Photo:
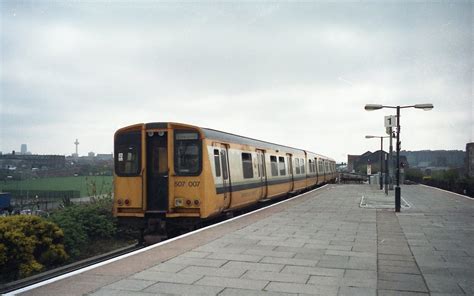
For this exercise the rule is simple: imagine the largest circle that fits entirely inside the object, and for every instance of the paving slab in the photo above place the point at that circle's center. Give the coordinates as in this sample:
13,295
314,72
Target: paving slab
322,243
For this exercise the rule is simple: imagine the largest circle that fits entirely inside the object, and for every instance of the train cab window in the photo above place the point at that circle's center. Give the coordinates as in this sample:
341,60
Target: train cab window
281,165
127,148
302,166
187,153
247,165
297,165
217,162
274,165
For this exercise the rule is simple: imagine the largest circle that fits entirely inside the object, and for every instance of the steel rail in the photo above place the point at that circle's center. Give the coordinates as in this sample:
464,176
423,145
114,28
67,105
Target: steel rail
12,286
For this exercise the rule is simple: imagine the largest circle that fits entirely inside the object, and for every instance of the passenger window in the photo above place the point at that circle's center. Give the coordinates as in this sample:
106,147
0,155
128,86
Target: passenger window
259,164
274,165
297,165
310,166
302,166
217,163
288,165
225,171
247,165
281,165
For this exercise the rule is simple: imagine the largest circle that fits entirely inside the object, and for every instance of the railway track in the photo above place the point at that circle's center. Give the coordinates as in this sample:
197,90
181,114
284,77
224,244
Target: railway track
53,273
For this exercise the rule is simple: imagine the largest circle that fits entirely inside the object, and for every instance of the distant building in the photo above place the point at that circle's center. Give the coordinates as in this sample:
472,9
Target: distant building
350,162
91,154
359,163
23,149
442,159
28,162
104,156
470,159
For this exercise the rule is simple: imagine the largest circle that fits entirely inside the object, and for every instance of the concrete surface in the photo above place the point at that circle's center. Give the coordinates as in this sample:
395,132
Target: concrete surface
323,243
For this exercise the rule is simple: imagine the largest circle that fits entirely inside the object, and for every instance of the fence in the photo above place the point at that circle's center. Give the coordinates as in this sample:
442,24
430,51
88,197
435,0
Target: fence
41,199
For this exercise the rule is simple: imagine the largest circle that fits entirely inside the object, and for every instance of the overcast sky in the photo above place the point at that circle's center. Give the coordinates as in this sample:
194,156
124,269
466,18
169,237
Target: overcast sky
297,74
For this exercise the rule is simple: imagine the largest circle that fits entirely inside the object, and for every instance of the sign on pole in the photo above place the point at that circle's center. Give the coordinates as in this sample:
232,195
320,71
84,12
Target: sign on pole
391,121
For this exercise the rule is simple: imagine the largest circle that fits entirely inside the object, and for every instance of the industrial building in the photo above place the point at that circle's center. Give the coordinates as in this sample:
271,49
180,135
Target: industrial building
27,162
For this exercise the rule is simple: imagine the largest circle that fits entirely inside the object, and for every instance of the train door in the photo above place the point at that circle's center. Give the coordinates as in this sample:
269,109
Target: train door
226,183
262,173
289,160
157,171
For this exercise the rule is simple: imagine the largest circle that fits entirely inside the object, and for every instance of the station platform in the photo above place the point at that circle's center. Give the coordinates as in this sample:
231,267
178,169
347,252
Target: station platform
336,240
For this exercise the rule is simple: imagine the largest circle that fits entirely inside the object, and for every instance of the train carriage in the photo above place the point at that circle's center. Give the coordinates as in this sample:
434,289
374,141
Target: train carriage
173,173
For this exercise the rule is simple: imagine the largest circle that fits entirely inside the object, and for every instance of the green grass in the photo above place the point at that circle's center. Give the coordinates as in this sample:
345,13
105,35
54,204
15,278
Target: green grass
82,184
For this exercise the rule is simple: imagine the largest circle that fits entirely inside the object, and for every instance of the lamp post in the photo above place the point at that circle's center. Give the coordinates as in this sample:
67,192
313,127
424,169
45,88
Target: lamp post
372,107
381,157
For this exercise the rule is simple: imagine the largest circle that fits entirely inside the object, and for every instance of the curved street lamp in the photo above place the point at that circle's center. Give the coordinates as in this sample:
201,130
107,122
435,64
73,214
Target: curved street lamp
372,107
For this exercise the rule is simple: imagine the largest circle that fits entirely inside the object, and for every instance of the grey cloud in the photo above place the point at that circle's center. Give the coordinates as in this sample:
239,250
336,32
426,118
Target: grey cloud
232,66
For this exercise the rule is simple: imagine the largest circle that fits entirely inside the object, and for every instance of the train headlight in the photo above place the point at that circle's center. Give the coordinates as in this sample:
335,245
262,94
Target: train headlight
196,202
127,202
188,202
178,202
120,202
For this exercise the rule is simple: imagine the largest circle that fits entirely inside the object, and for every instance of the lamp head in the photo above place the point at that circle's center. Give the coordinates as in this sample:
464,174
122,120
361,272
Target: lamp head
372,107
425,107
369,137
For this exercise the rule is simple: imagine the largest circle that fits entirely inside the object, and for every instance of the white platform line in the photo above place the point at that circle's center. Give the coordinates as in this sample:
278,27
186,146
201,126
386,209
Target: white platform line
76,272
406,202
362,204
454,193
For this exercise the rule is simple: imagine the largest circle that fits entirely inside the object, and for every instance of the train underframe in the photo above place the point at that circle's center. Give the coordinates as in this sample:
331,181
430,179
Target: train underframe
155,227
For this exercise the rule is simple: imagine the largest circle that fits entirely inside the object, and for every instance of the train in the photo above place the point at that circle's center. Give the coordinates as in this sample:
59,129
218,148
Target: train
174,174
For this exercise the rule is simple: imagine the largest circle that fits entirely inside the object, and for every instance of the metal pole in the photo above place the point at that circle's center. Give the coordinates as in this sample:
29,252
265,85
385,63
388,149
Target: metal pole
397,189
390,160
386,174
381,162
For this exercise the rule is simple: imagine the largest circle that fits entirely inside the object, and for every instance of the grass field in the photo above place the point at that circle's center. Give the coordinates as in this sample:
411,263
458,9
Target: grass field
103,184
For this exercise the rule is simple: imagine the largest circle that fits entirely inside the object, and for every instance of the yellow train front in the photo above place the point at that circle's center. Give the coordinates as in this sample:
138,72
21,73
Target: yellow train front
172,174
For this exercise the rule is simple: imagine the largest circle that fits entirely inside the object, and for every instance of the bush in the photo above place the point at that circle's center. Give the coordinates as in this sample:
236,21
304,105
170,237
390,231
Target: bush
415,175
85,223
453,181
28,244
